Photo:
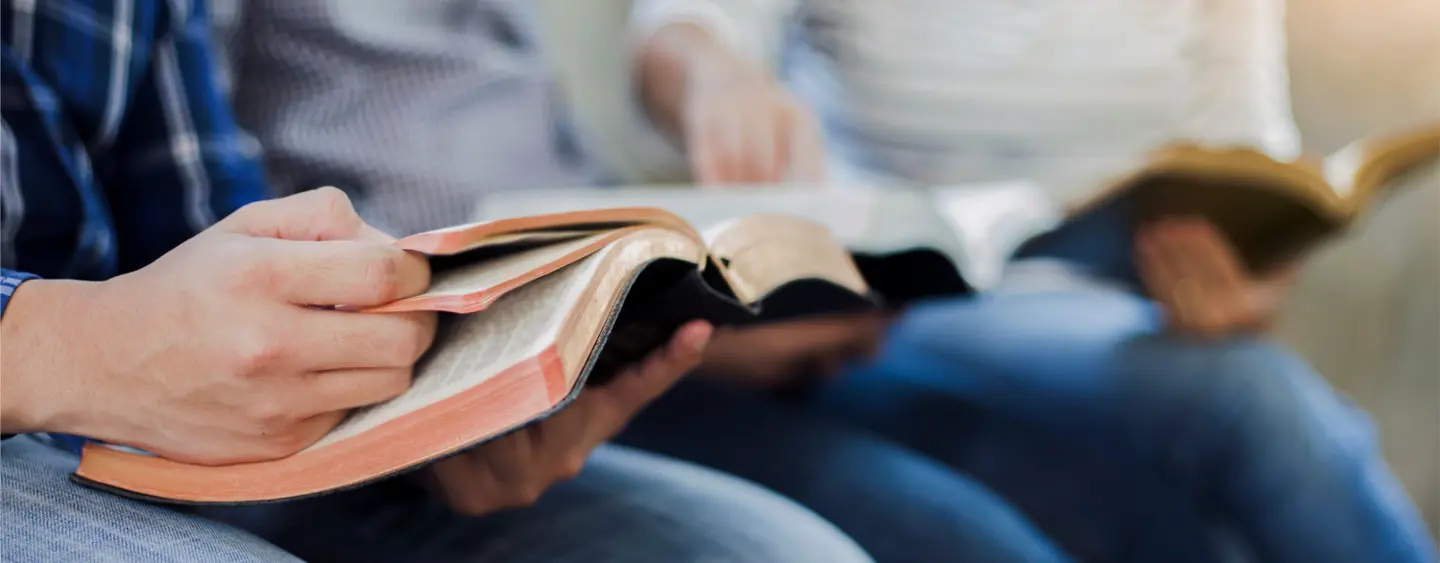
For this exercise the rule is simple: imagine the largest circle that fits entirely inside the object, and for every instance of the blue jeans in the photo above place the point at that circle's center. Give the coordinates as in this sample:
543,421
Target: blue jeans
1241,434
1117,443
898,504
625,506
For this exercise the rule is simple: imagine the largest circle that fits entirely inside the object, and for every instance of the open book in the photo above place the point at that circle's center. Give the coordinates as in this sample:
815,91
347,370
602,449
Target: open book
537,305
1269,209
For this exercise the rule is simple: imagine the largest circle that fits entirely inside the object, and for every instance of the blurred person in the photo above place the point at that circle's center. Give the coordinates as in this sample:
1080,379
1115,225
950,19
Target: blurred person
177,313
1114,420
418,110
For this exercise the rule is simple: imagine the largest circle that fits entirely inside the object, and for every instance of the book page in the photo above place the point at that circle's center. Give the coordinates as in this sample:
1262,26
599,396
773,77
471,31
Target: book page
846,211
1372,162
476,347
865,219
534,237
992,221
975,225
755,265
488,273
1341,167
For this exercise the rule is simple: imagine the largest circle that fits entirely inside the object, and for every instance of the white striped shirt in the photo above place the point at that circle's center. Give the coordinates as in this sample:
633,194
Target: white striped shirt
1060,91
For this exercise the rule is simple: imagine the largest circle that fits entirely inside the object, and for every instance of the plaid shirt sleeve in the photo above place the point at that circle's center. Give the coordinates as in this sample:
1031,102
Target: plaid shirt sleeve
180,161
116,131
118,100
122,96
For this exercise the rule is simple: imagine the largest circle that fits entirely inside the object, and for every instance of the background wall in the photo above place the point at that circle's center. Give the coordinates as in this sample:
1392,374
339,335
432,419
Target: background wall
1367,311
1358,66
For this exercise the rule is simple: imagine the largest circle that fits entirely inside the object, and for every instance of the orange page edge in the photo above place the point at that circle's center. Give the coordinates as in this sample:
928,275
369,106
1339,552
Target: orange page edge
479,300
454,240
511,398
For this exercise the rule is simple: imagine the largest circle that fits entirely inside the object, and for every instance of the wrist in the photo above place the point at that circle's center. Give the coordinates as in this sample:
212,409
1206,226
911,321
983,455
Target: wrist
43,365
710,64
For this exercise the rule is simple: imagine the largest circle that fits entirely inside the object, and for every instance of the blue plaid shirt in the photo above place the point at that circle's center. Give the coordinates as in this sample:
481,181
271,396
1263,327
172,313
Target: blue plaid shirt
117,143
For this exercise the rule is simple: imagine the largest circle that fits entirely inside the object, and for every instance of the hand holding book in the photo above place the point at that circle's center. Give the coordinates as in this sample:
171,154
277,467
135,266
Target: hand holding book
512,471
793,353
505,394
1198,279
224,350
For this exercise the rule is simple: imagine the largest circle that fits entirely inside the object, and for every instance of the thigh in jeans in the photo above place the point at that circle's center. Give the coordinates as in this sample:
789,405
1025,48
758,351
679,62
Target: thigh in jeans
1046,357
626,505
1241,429
1095,503
48,518
896,503
1251,427
1009,388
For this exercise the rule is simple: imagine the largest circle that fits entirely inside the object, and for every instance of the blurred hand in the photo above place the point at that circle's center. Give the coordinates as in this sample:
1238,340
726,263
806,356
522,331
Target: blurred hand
225,349
1197,277
740,125
780,354
514,470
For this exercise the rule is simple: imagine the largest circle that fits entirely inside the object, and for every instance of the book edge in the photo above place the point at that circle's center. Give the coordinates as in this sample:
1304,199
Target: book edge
86,472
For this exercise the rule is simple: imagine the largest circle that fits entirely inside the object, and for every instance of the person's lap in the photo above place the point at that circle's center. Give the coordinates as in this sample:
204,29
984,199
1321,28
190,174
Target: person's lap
895,502
902,504
1075,484
48,518
626,505
1120,444
871,466
1107,433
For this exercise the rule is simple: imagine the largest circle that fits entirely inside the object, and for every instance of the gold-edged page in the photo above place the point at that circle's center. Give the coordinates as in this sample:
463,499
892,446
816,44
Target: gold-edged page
760,253
619,263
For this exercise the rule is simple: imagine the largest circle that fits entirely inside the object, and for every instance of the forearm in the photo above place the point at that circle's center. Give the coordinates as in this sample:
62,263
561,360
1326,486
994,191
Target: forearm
682,43
43,340
677,57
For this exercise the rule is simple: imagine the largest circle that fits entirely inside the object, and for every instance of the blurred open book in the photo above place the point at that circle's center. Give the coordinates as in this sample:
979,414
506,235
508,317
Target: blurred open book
1270,210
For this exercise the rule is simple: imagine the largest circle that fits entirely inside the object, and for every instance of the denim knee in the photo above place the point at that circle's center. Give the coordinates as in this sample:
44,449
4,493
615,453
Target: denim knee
1244,405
